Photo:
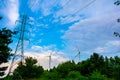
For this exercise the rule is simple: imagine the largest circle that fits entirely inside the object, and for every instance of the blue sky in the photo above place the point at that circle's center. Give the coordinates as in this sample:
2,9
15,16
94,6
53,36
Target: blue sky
63,26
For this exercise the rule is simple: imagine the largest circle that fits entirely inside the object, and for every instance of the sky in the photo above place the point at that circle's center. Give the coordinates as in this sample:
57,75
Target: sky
64,27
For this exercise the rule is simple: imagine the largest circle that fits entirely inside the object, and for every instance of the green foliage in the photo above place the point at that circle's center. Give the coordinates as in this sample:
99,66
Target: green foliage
28,69
95,62
75,75
108,68
117,2
117,34
30,61
116,72
8,78
83,68
97,76
64,68
5,40
47,75
5,50
94,68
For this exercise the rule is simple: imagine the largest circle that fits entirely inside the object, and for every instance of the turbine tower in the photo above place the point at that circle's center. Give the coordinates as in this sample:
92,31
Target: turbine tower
78,54
49,60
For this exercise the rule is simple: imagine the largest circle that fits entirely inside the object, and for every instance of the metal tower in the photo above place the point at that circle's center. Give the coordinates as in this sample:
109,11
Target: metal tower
20,44
78,54
49,60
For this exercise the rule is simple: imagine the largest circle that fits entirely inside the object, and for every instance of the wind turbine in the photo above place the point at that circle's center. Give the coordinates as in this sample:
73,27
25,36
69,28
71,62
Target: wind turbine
78,54
49,60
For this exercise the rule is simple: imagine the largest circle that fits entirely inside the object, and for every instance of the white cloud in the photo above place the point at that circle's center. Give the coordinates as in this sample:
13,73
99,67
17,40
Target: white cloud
93,33
110,49
37,48
42,6
41,53
41,56
43,59
100,50
71,10
114,43
9,65
80,8
11,11
69,19
71,7
34,5
31,18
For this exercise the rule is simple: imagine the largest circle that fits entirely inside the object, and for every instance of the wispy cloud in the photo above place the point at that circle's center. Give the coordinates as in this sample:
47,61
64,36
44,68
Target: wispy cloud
43,59
109,48
34,5
86,8
91,33
41,53
11,11
45,7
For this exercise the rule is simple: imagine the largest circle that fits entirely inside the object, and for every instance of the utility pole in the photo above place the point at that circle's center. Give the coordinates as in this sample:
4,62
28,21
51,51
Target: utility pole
20,43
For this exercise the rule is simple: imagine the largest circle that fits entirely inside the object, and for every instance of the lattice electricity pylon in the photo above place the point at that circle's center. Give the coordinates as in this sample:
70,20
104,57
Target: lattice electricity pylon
20,44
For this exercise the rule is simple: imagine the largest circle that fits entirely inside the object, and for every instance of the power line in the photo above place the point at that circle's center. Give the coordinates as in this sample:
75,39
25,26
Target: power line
20,44
63,6
67,2
80,9
54,13
35,2
85,6
25,6
75,12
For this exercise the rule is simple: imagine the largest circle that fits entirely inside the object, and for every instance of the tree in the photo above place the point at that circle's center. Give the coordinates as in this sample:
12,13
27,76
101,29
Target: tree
116,72
97,76
94,63
116,67
48,75
84,67
75,75
97,61
64,68
117,2
108,68
116,34
28,69
94,68
5,50
118,20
